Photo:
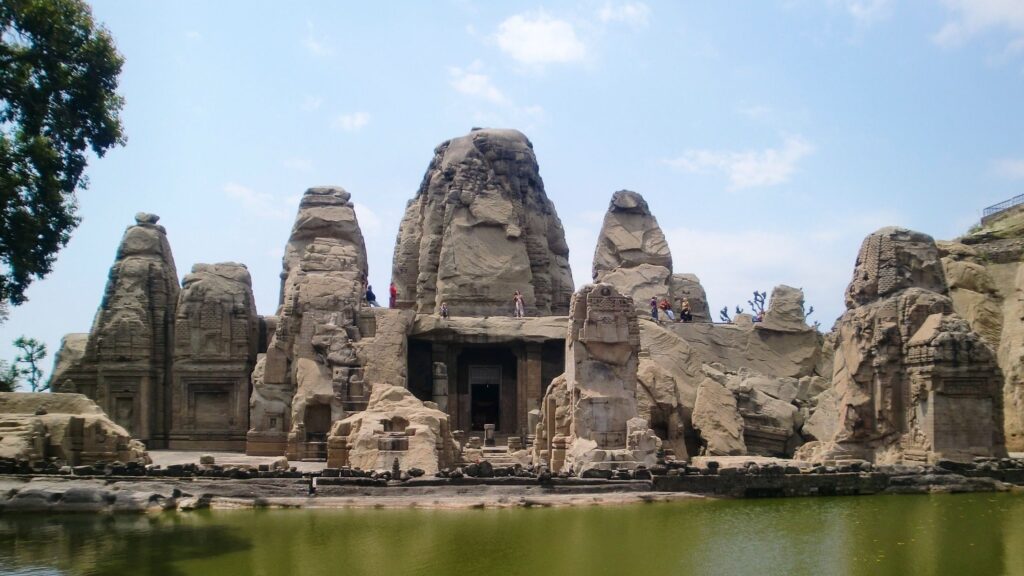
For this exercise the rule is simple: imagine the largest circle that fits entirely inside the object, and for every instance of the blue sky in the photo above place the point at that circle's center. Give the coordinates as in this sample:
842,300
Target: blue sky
768,137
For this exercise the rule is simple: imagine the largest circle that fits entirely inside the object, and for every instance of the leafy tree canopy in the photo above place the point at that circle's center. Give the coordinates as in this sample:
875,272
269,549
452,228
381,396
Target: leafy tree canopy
58,100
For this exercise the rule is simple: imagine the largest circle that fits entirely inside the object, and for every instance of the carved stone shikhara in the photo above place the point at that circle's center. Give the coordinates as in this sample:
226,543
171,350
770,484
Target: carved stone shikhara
127,359
912,381
480,228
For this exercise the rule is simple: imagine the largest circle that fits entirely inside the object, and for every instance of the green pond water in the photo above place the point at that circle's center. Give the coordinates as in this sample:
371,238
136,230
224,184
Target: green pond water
940,534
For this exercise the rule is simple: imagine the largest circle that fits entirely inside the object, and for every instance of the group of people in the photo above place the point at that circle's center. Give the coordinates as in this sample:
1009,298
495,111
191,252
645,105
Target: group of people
663,306
518,303
658,307
371,298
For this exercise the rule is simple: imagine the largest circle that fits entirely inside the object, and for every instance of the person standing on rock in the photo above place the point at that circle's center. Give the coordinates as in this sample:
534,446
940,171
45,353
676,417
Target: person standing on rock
393,299
444,310
519,306
666,307
654,308
685,314
371,298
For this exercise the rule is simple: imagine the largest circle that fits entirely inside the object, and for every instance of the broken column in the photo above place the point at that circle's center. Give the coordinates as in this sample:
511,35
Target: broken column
591,418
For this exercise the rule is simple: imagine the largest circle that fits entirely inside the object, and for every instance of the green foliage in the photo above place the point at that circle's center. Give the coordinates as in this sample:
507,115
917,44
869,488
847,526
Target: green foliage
27,362
58,101
10,377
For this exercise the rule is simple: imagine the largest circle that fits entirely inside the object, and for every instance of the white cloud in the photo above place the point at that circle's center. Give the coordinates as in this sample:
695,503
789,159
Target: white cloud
498,108
636,14
1011,168
312,103
298,164
749,168
471,82
536,38
258,204
972,17
352,122
315,44
868,11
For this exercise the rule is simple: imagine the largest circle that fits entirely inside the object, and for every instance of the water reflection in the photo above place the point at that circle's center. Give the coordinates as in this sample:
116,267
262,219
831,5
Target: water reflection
961,534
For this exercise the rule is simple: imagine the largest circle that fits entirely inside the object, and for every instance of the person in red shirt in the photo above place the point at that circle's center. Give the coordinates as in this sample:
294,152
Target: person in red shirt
393,300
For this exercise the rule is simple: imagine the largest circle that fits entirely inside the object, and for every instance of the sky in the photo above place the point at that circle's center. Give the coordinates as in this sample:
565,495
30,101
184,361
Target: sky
768,137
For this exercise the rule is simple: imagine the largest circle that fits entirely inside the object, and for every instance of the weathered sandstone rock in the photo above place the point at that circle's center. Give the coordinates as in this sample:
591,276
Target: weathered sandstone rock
311,359
126,364
983,270
633,255
601,388
479,228
667,379
914,382
216,339
718,421
792,354
394,425
785,311
70,427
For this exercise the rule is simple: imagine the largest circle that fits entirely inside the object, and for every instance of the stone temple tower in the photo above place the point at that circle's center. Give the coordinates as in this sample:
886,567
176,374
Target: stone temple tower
479,228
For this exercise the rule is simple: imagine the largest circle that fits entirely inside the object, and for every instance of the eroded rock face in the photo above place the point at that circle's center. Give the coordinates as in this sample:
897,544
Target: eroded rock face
766,407
718,421
604,430
126,363
785,311
216,338
983,270
913,381
395,425
70,427
633,255
311,360
893,259
481,227
667,381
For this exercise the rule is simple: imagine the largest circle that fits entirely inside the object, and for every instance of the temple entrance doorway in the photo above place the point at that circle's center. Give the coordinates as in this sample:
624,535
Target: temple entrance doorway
318,425
485,395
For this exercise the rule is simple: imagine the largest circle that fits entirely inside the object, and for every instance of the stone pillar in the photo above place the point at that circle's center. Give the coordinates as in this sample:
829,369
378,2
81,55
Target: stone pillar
440,389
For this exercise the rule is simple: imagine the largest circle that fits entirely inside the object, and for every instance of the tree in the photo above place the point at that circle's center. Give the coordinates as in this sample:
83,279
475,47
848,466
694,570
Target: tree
32,353
10,377
58,100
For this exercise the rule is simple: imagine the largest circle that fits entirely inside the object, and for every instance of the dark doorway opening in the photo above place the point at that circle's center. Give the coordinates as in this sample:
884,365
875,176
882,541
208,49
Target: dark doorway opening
485,396
318,422
421,369
486,380
318,425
